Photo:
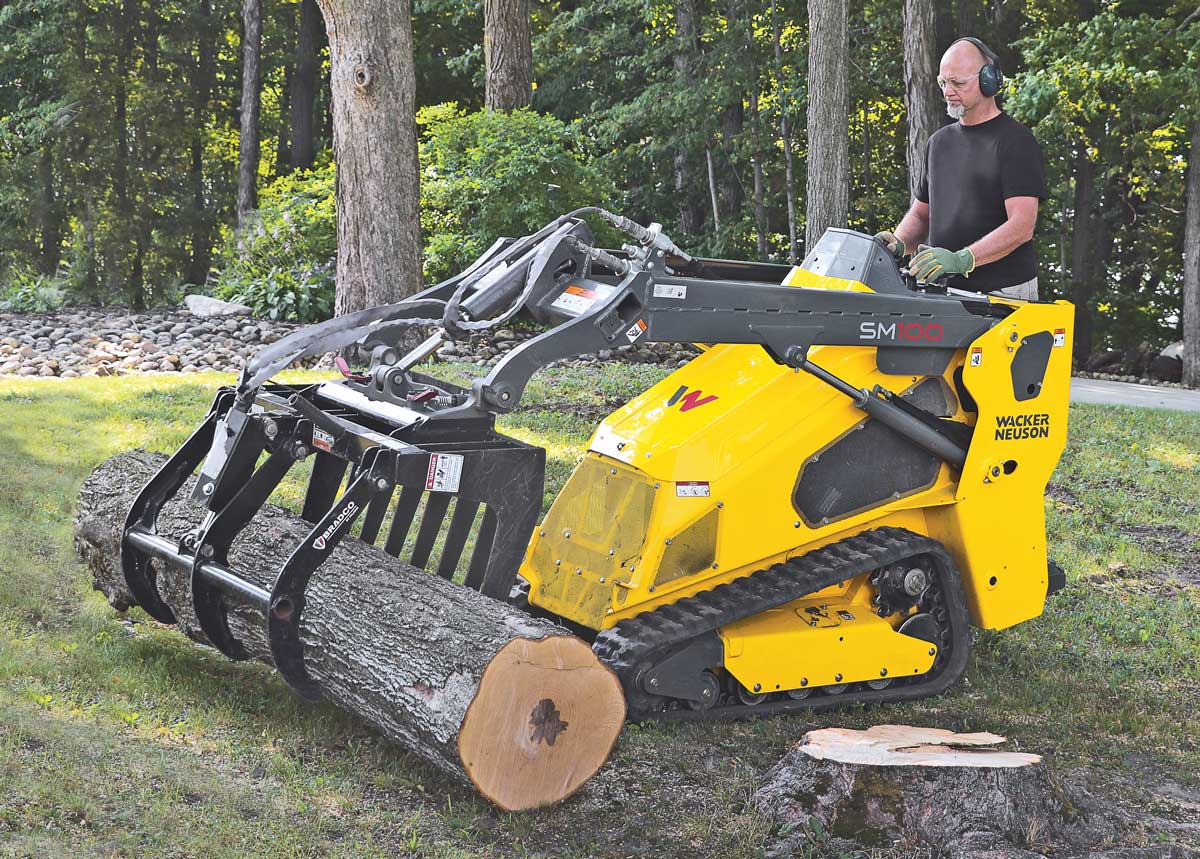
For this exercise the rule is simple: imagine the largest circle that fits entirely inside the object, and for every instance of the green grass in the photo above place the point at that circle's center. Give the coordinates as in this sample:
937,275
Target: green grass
120,738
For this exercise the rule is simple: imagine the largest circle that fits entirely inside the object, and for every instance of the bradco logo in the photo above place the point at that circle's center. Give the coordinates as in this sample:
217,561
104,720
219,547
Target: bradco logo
348,511
689,399
899,331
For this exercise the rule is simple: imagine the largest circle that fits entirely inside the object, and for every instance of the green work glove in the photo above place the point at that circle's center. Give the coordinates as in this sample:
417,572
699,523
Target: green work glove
933,263
895,244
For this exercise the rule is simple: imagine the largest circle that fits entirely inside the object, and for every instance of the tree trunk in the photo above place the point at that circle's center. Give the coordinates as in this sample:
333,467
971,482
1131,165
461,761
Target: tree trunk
965,13
712,189
508,55
785,134
1082,251
375,146
513,704
760,207
50,213
1191,266
926,786
922,101
247,198
687,38
283,146
304,88
828,189
201,219
868,191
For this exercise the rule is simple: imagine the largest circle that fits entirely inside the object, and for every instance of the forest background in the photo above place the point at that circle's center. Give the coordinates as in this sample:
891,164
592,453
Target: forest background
149,150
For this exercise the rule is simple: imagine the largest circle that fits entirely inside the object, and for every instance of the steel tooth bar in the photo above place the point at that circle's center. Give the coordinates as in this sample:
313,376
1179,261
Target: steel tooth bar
635,645
456,537
484,542
431,523
376,510
406,508
328,471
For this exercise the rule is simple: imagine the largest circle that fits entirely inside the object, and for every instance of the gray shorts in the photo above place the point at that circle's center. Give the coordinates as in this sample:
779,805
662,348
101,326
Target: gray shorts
1027,291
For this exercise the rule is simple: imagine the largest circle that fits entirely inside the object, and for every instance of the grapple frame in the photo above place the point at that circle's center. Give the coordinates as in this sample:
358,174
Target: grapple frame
384,451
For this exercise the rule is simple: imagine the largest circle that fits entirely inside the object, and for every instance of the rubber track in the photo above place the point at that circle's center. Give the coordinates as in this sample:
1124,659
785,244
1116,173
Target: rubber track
634,645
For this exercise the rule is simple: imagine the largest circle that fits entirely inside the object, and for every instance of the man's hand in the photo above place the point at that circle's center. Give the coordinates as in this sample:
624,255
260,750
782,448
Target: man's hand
932,263
895,244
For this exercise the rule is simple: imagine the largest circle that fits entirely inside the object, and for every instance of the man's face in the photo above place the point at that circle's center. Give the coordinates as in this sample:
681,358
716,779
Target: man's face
958,78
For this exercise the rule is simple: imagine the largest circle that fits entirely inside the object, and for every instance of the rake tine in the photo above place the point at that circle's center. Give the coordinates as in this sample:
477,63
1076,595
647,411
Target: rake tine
456,537
431,523
406,508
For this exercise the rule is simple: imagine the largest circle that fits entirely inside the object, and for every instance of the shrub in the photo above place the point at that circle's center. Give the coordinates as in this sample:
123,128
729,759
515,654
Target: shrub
282,263
26,291
485,175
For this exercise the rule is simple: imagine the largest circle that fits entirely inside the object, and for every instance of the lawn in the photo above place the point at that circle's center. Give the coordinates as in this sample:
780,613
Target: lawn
118,737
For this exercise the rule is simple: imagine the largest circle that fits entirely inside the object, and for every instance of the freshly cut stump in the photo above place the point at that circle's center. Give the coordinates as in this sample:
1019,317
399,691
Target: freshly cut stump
919,785
510,703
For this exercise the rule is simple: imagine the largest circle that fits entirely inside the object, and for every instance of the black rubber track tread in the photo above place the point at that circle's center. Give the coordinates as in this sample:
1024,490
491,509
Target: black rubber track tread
633,646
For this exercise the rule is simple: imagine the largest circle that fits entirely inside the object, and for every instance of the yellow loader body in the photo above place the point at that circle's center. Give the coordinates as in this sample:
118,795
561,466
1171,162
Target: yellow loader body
734,463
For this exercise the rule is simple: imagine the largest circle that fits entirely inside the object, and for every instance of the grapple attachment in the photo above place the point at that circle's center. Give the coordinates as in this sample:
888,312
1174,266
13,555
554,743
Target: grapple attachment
422,490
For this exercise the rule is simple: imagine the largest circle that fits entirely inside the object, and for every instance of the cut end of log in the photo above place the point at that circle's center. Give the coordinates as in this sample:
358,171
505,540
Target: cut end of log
546,716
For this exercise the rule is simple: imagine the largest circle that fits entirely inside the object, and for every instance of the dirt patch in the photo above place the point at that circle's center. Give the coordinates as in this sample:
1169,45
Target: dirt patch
1181,547
1058,492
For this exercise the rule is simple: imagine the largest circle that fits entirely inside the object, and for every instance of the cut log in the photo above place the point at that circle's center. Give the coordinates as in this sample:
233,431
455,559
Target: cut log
922,786
510,703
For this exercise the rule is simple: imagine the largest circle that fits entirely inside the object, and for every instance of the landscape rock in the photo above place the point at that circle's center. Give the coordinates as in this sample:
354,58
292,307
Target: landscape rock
203,306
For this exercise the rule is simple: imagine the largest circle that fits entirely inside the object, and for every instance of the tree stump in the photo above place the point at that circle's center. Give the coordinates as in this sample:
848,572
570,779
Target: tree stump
511,703
921,786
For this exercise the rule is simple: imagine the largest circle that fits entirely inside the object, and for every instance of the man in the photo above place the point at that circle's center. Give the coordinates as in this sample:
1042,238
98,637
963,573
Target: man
979,201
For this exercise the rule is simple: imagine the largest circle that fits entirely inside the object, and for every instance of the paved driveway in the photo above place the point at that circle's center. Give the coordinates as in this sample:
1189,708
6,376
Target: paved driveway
1128,394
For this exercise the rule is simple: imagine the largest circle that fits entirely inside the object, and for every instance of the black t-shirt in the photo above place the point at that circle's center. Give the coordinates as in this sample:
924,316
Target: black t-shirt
971,170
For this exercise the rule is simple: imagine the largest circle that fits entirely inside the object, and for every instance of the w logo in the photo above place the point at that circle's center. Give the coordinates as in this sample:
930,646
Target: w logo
689,399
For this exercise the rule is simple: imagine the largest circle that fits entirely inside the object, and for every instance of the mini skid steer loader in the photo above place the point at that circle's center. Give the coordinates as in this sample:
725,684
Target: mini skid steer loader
813,511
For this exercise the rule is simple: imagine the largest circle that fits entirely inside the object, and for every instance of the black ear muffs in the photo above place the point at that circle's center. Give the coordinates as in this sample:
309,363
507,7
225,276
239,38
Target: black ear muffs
991,79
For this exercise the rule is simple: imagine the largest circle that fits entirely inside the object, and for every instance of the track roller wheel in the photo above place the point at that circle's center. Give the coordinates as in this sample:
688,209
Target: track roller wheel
750,698
835,689
710,693
880,684
798,694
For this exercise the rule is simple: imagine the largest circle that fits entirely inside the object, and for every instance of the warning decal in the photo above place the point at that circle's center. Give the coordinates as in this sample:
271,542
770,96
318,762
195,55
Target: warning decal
322,439
670,290
977,356
579,299
636,330
445,472
692,489
1060,337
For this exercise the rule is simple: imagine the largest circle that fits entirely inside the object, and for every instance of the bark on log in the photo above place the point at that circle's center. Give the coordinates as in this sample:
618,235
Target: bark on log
481,690
924,786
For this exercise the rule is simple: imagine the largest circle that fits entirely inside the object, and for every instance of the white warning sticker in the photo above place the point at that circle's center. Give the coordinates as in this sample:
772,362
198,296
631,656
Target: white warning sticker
445,472
977,356
1060,337
322,439
636,330
670,290
692,489
578,299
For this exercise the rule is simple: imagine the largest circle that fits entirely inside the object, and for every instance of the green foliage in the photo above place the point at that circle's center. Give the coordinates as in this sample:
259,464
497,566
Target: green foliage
489,174
282,263
27,291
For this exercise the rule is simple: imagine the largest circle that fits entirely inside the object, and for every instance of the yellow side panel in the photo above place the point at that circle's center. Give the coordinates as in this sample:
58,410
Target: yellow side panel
820,642
997,527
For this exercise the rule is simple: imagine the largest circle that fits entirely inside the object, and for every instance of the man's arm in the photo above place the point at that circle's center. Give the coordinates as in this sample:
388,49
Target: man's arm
1006,238
914,226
